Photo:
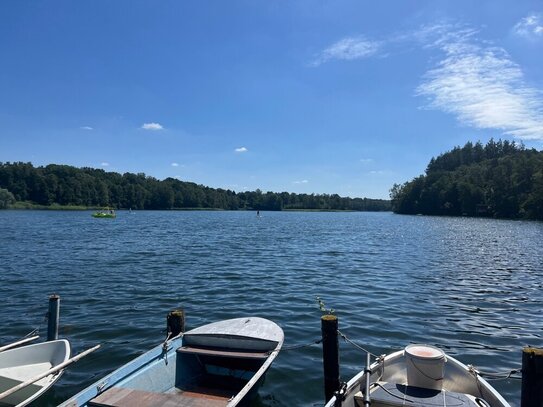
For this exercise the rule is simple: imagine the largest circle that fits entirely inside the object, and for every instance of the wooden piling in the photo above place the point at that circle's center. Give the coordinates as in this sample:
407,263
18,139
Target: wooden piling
330,355
175,322
531,394
53,316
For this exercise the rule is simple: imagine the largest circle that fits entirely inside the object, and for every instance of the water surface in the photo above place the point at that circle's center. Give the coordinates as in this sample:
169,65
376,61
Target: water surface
471,286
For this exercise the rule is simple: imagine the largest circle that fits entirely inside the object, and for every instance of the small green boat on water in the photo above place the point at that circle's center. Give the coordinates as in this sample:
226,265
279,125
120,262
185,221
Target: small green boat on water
105,214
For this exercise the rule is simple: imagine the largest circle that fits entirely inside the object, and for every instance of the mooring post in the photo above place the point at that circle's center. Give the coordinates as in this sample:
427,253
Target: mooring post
53,316
531,394
330,355
176,322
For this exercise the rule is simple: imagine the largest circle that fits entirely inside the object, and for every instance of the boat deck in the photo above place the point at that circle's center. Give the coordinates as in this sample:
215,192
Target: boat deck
122,397
397,395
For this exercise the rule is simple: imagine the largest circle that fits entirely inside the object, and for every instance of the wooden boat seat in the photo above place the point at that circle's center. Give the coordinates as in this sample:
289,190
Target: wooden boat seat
122,397
386,394
223,353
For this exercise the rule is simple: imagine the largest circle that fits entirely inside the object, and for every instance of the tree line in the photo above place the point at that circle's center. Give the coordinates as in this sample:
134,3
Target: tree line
501,179
66,185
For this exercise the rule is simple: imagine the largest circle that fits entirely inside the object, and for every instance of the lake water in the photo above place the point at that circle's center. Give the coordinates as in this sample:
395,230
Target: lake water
471,286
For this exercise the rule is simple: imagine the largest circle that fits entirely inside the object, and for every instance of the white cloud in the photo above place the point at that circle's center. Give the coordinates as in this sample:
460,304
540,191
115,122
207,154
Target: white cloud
86,128
349,48
241,150
175,165
304,181
152,126
104,164
482,87
366,160
530,27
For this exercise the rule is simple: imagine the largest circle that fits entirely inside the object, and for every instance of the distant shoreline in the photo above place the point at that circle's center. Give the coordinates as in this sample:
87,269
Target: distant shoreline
31,206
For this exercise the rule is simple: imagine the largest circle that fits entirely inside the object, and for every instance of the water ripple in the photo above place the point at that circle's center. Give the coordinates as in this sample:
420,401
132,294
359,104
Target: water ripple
471,286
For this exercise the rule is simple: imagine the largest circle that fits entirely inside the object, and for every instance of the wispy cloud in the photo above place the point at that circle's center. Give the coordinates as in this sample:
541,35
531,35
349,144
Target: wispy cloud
349,48
175,165
152,126
530,27
366,160
477,82
442,35
86,128
104,164
241,150
304,181
481,86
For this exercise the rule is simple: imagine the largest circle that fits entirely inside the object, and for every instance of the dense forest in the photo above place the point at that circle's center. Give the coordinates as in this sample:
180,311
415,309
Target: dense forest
88,187
501,179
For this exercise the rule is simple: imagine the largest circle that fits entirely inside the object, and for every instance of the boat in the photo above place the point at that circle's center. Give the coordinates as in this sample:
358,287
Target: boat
105,214
23,367
418,376
221,364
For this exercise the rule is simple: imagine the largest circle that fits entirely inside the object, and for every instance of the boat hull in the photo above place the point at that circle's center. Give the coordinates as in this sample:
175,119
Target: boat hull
104,215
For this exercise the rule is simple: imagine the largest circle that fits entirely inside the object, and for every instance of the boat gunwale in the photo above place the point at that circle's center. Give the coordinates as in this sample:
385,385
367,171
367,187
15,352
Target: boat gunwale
258,374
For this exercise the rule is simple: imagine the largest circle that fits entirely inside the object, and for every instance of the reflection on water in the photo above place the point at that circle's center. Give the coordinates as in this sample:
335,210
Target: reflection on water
471,286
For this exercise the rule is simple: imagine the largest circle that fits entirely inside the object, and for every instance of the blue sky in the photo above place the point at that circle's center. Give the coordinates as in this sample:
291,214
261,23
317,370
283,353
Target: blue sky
344,97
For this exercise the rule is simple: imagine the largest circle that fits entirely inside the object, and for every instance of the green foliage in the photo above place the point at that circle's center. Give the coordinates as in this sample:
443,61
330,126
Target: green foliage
63,185
323,308
6,198
501,180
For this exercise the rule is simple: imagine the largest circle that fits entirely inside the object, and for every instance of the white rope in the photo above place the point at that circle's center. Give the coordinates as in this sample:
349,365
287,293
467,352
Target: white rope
355,345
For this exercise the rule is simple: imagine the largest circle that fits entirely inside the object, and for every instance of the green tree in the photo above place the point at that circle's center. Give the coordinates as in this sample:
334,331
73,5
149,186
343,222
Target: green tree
66,185
502,179
6,198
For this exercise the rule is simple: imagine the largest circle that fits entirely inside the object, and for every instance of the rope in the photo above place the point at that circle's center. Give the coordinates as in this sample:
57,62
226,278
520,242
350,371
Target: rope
355,345
495,376
306,345
501,376
293,347
36,331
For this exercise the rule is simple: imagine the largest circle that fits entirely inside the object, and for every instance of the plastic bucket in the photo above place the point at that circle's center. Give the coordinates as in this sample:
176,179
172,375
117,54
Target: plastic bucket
425,366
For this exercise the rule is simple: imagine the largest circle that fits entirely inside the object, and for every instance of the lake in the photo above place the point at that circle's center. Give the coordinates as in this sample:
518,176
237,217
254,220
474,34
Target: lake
473,287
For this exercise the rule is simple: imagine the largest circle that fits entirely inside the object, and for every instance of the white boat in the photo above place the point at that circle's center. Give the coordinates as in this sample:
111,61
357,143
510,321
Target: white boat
26,363
419,376
217,365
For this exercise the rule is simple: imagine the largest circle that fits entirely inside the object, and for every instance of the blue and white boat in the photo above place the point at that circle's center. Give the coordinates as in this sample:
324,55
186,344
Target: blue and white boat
220,364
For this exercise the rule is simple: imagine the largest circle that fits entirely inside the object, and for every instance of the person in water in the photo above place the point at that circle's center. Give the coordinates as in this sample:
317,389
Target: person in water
257,213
